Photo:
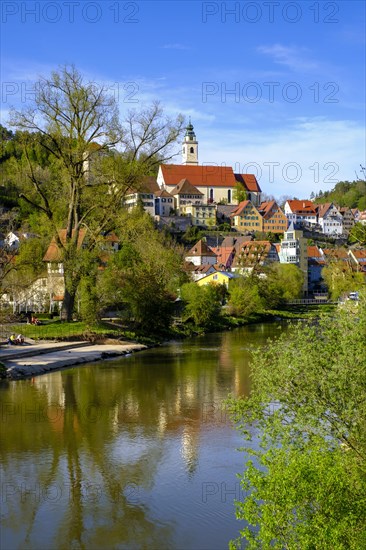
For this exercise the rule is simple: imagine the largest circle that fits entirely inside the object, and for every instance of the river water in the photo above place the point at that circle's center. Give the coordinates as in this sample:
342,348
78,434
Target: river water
134,453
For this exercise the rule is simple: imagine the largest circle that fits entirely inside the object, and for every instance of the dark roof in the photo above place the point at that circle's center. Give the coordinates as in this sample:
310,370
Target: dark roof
200,249
184,187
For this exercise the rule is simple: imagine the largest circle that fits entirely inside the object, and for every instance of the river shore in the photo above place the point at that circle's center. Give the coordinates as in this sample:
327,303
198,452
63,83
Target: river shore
33,359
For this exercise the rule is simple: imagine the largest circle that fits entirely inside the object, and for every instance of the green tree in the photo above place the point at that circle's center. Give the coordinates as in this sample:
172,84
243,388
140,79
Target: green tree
244,297
345,193
240,193
86,179
192,234
305,430
358,234
202,304
142,279
340,278
283,283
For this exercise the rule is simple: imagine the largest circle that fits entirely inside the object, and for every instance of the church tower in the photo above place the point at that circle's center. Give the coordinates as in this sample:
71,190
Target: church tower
190,147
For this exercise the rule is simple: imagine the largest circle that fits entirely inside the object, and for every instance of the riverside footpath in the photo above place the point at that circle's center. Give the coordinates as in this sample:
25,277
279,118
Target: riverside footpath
35,358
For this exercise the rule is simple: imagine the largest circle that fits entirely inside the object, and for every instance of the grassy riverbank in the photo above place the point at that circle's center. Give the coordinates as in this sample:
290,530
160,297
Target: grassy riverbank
228,322
78,330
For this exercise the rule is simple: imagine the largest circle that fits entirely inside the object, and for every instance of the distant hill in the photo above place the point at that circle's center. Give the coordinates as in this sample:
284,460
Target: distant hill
345,193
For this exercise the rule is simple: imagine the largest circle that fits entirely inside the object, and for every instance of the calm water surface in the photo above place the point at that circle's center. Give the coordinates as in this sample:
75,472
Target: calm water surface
128,454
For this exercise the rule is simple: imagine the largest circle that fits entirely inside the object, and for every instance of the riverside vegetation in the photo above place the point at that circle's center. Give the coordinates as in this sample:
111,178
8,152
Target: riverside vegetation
304,426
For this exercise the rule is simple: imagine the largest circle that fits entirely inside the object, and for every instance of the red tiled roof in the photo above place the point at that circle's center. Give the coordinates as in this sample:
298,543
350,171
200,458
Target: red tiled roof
150,183
314,252
223,253
302,207
190,266
53,253
268,208
239,209
184,187
200,249
147,185
249,181
199,176
208,176
163,193
359,254
250,252
323,209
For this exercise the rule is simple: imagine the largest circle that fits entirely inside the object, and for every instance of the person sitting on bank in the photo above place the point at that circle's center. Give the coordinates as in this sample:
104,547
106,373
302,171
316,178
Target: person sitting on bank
12,340
19,339
34,320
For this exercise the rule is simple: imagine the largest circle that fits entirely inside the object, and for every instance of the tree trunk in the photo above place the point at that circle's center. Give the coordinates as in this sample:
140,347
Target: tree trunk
71,285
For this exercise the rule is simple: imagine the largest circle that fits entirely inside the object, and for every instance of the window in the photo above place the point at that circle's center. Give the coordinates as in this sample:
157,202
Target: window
191,150
229,195
211,194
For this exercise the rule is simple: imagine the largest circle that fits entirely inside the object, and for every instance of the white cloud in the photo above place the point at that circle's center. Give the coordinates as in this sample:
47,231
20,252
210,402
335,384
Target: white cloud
312,154
293,57
175,46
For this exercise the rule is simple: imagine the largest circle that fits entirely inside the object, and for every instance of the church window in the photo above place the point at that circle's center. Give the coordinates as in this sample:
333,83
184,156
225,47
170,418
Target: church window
191,150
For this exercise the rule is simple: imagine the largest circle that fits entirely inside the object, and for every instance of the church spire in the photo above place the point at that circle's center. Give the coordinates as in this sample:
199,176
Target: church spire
190,146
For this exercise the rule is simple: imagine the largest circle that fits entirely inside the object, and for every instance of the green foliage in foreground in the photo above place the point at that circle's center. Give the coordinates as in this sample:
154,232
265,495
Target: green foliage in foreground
305,430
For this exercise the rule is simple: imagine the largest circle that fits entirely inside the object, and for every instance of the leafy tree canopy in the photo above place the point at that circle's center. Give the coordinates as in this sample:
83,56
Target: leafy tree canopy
305,430
345,193
340,278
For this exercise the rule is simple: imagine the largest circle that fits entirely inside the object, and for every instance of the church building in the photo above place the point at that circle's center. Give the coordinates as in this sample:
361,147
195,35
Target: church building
217,184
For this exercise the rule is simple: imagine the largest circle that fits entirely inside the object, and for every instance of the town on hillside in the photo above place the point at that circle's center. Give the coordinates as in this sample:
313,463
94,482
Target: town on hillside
238,233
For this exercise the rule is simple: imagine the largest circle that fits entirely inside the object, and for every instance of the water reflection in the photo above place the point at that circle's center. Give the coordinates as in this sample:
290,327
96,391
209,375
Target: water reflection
134,453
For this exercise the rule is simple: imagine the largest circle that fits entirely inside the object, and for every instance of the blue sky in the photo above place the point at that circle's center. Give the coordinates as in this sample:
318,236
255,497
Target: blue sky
272,88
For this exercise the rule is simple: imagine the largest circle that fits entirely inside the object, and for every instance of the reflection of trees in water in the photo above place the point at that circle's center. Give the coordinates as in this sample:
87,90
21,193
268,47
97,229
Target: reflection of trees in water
82,447
84,497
